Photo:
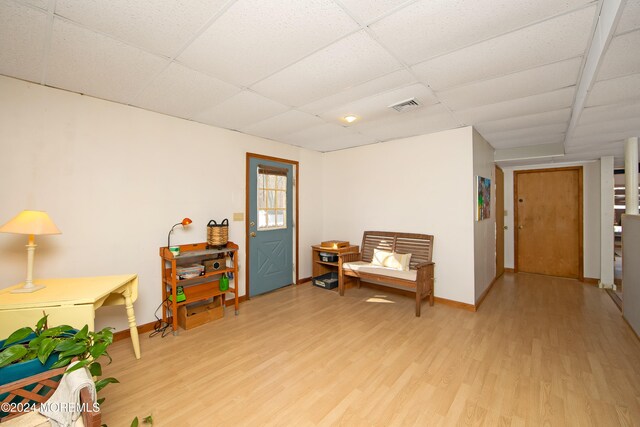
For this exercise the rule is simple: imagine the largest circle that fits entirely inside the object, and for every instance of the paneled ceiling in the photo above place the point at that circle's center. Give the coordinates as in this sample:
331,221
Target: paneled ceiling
291,70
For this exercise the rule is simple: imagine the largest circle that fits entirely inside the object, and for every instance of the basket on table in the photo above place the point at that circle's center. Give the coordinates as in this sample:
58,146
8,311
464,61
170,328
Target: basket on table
217,234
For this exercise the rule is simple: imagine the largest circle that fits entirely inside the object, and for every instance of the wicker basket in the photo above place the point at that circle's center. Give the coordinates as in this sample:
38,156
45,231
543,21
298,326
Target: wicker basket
218,234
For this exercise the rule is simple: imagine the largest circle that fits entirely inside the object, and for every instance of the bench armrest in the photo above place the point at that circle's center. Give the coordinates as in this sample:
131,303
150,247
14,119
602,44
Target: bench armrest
424,264
350,257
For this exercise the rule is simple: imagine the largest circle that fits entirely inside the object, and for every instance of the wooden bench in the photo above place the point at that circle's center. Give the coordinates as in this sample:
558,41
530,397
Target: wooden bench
418,279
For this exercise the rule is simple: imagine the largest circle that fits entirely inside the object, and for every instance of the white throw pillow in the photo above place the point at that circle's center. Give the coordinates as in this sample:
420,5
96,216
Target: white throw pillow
391,260
379,257
403,260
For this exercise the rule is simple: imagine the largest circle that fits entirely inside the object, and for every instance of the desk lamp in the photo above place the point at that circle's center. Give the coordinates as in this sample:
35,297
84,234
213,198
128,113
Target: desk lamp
184,223
31,223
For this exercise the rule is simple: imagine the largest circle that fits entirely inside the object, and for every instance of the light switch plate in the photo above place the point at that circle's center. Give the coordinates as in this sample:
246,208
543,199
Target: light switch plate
238,216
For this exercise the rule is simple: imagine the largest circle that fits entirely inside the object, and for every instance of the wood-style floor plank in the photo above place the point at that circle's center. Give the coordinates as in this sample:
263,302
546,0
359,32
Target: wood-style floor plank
540,351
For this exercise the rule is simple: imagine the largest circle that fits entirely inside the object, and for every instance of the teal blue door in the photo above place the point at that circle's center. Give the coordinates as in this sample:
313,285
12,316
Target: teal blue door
270,225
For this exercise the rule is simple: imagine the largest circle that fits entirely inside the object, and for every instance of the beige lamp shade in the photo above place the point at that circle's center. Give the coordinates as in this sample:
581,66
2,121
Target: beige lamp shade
30,222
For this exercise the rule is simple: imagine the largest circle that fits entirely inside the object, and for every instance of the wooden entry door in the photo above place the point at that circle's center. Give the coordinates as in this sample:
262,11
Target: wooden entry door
548,219
499,222
272,215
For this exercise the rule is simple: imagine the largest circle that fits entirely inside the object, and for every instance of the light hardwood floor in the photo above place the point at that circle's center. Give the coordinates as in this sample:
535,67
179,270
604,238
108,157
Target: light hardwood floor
540,350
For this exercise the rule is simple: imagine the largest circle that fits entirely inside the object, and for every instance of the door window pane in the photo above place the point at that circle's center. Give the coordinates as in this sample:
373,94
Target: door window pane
271,201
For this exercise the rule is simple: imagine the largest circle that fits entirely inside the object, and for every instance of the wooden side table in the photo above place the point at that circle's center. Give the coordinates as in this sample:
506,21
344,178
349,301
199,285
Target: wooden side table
320,267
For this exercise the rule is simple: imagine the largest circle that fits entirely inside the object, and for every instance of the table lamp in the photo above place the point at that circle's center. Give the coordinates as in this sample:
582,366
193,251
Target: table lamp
31,223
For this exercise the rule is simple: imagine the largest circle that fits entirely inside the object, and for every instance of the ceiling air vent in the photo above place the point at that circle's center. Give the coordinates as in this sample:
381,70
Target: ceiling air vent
407,104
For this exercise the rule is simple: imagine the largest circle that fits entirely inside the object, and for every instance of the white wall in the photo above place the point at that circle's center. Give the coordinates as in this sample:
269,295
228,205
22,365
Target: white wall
421,184
591,212
485,230
116,178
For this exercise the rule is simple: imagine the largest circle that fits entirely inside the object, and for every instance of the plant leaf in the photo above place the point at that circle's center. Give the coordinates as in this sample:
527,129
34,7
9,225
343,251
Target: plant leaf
32,353
99,401
76,349
41,323
46,348
61,362
95,369
65,344
134,423
100,384
99,349
80,364
12,354
18,335
35,343
107,335
148,419
82,333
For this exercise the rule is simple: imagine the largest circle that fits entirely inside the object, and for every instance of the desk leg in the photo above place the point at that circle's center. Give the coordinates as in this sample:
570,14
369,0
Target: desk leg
132,322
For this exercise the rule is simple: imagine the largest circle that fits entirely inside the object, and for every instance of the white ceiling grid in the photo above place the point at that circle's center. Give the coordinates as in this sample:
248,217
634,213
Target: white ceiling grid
290,70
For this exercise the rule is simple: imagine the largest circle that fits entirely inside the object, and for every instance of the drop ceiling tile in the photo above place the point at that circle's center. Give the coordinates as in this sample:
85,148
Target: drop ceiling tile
41,4
596,154
592,140
524,142
517,85
630,19
286,123
346,63
182,92
341,143
605,113
622,57
550,41
372,87
614,91
255,38
93,64
518,107
326,137
527,121
571,147
425,120
161,27
241,110
367,10
426,29
22,39
630,125
377,106
527,133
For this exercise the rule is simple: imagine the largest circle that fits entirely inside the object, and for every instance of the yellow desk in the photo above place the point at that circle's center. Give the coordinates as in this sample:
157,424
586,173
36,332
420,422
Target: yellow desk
69,302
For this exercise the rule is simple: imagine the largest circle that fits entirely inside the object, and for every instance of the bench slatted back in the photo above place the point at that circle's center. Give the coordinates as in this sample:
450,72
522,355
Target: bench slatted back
420,246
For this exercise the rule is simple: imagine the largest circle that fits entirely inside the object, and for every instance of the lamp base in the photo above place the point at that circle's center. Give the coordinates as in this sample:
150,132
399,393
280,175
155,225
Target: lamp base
27,290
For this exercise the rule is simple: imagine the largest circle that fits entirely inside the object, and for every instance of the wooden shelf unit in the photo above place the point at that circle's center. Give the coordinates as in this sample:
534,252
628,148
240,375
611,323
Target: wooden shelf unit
320,267
199,288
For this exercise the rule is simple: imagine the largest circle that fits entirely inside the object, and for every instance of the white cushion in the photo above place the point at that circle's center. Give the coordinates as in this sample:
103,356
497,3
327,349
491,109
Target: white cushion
365,267
391,259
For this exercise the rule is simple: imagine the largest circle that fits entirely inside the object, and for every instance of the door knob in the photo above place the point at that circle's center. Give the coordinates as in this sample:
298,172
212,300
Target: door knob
520,227
506,227
252,234
252,224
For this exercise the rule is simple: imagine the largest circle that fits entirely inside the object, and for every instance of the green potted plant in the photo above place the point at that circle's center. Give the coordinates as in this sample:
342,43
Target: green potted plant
29,351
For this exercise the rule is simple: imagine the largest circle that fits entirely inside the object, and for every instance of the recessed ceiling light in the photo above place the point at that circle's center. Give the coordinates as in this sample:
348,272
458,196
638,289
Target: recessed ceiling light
350,118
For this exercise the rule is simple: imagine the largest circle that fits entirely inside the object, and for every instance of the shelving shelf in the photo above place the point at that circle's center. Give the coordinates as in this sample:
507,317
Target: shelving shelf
193,280
199,288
